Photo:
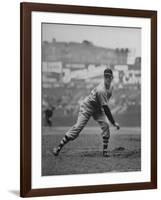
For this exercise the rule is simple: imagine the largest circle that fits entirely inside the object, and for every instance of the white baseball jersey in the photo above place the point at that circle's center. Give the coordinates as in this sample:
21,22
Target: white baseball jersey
98,97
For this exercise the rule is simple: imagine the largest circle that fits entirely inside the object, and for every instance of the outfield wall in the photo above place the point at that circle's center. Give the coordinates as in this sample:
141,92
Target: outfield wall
127,120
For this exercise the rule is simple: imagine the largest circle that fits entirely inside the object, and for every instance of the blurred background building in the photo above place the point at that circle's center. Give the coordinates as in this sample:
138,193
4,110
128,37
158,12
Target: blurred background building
70,70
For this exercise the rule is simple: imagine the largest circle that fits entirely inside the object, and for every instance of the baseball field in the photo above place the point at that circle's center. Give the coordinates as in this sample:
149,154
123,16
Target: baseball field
84,155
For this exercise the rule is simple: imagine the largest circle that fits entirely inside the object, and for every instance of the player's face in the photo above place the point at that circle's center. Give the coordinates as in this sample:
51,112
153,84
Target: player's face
107,79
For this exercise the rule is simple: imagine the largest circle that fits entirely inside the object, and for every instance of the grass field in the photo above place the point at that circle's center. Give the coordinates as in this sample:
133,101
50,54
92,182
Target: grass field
84,155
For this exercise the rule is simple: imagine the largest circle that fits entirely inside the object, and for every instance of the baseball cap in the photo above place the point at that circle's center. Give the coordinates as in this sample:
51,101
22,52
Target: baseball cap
108,72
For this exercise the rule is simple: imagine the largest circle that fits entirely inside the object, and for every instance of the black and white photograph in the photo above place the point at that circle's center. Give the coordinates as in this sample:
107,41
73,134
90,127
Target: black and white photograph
90,99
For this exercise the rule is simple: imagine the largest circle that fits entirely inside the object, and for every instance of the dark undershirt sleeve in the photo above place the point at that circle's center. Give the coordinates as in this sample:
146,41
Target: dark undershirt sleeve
109,114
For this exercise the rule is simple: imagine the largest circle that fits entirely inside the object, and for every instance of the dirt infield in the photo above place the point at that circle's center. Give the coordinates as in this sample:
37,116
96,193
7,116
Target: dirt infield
84,155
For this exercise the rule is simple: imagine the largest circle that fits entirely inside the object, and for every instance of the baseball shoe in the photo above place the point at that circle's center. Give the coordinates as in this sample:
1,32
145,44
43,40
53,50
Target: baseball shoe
56,151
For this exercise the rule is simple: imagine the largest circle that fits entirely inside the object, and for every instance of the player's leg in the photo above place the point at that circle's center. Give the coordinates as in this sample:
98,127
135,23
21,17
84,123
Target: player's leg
49,122
73,133
101,118
56,150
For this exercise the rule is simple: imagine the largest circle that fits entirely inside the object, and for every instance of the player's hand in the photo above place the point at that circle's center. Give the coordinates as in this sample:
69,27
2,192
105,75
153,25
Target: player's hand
117,125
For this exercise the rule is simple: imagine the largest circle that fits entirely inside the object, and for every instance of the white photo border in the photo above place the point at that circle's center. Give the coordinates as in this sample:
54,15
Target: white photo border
144,175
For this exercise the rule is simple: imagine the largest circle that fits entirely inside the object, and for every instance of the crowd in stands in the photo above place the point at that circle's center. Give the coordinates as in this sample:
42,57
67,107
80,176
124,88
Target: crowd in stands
125,100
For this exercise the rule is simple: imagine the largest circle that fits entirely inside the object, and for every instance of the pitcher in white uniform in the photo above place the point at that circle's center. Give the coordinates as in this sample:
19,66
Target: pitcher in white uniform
95,105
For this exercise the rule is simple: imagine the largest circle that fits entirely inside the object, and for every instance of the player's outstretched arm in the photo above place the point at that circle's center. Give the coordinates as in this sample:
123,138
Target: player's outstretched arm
110,117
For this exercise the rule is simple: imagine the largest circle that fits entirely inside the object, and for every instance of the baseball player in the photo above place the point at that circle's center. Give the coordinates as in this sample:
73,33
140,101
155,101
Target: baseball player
95,105
48,114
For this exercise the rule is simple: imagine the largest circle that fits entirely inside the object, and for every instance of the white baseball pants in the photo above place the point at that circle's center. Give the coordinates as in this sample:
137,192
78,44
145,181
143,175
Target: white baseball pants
84,115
